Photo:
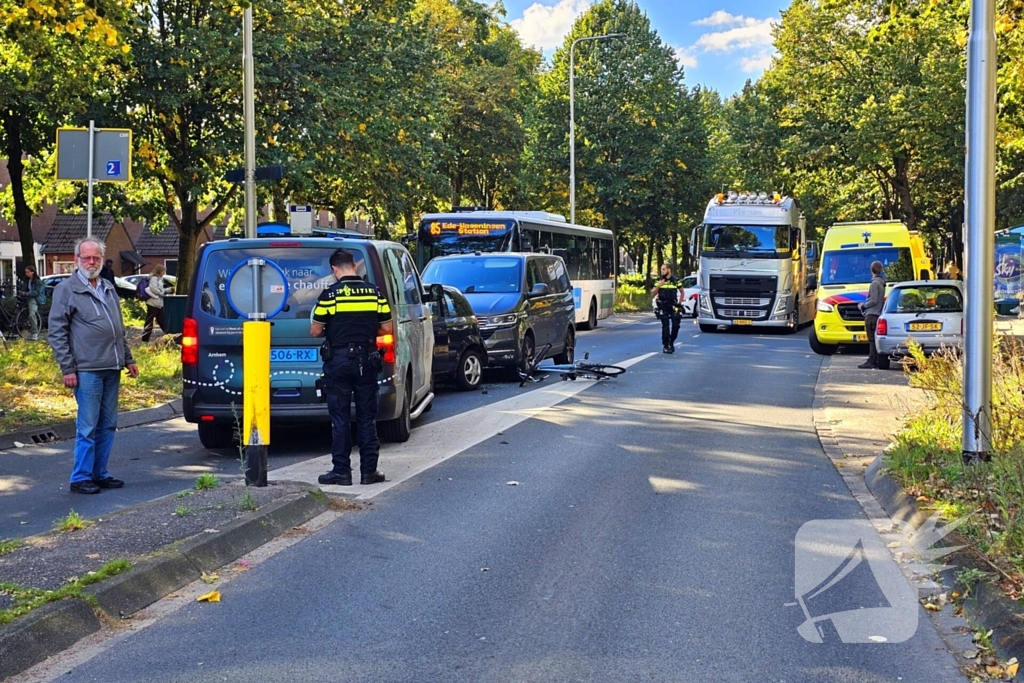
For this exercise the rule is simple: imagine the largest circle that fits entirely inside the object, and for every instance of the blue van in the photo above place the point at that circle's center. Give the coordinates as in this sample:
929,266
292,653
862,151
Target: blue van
212,335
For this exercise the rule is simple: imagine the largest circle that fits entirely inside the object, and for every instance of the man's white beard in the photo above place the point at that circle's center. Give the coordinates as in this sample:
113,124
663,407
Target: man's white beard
91,273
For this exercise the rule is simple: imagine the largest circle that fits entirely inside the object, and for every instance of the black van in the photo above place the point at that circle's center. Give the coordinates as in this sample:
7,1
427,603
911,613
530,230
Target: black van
523,302
212,334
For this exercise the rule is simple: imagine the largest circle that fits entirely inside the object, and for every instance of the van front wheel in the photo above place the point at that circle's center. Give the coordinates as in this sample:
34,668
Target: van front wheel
818,347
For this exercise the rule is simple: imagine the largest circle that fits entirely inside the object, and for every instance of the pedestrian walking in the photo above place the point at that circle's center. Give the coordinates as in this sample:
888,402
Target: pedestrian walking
155,303
668,307
872,308
351,313
35,296
87,336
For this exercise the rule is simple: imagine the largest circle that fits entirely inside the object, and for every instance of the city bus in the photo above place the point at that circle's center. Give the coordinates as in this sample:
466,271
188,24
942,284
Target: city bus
590,254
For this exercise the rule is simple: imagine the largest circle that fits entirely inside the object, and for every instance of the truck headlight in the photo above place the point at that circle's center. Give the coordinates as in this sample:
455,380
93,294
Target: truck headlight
705,303
783,303
825,307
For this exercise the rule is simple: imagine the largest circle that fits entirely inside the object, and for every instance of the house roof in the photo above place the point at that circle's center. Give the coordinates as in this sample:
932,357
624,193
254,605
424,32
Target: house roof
164,243
69,228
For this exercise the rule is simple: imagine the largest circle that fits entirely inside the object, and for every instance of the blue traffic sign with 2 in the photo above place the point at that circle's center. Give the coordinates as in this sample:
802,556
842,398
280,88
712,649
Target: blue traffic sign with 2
113,168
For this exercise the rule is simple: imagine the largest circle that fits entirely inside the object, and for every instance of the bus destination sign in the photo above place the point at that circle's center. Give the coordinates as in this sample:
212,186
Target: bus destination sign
438,228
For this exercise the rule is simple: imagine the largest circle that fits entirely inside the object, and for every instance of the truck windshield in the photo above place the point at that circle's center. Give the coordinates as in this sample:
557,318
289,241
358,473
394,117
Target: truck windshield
853,266
746,241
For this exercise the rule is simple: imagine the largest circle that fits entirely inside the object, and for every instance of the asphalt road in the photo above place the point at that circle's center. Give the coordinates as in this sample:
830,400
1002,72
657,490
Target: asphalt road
651,536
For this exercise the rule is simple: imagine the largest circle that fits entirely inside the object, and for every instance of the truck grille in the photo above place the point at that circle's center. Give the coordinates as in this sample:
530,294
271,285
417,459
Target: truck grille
743,296
732,313
849,312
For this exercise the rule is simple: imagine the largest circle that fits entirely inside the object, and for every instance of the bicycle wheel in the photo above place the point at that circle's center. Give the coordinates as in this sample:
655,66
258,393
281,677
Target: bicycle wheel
597,371
24,325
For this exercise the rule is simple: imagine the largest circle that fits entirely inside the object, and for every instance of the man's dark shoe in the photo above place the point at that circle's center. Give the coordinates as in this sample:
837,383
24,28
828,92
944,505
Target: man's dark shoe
109,483
665,349
335,479
84,487
372,478
867,365
671,349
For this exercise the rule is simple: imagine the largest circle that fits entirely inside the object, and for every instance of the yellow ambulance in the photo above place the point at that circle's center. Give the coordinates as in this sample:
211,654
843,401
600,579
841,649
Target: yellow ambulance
845,273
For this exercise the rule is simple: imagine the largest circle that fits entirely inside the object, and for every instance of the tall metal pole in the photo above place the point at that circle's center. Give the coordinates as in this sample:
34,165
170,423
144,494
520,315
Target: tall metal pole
572,119
980,200
89,181
249,104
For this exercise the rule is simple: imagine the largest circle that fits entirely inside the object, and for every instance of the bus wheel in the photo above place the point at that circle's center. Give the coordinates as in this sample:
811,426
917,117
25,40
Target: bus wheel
591,317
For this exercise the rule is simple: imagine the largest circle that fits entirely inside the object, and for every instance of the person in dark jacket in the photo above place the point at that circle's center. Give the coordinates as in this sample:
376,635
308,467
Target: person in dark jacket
667,291
88,340
108,272
872,308
351,314
34,298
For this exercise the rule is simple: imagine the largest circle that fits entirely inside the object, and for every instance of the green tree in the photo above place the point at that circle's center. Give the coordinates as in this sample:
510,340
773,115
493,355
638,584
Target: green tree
56,58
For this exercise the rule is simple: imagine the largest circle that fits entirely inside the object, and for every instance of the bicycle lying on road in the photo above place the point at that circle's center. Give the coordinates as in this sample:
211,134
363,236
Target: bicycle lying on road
581,369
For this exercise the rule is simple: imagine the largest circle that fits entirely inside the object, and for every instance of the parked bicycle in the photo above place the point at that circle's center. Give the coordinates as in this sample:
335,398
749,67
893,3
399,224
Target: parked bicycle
15,319
581,369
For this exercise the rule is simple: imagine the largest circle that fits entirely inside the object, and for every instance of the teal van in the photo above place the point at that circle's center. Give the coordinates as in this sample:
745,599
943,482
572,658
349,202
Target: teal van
212,370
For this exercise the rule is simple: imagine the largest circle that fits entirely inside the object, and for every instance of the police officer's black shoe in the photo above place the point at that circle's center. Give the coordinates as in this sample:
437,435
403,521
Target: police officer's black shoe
670,349
372,478
335,479
666,349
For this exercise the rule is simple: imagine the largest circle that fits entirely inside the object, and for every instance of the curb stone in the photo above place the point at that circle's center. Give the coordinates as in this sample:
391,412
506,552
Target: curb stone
66,430
54,628
989,606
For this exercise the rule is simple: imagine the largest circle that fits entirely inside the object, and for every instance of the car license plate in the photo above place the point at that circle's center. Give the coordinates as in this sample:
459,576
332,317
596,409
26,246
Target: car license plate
860,337
742,322
294,355
925,327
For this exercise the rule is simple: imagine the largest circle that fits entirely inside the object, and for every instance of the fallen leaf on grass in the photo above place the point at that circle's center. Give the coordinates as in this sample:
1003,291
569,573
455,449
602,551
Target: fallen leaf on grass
1012,666
932,608
210,578
212,596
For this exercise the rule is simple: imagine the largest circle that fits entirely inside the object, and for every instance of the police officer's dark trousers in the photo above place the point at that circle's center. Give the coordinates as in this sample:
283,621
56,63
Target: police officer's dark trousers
669,324
342,383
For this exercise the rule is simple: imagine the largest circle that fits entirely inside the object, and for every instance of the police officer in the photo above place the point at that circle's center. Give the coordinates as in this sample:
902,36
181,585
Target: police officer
352,313
668,308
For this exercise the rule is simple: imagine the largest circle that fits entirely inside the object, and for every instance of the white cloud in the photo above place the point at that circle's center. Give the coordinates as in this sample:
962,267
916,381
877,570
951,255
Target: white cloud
686,56
757,63
545,26
722,18
754,33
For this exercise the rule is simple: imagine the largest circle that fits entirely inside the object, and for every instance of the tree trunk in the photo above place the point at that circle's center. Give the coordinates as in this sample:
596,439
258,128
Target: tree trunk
339,215
280,205
16,169
188,236
675,250
410,222
901,190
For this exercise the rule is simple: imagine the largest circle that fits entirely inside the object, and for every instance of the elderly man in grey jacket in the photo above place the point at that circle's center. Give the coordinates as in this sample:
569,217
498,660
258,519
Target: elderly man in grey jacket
88,340
872,308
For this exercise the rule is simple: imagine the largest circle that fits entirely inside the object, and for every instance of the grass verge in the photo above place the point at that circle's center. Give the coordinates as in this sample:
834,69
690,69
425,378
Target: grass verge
32,389
26,599
926,459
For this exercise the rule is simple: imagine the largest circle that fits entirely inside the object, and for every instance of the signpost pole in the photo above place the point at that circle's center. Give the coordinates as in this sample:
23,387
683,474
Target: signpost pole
89,180
980,205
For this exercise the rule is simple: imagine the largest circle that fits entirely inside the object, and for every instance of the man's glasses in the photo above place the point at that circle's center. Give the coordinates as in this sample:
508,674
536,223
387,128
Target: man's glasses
90,258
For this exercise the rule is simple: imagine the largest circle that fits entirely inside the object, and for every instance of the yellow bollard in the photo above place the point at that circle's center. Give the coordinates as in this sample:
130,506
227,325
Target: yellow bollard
256,400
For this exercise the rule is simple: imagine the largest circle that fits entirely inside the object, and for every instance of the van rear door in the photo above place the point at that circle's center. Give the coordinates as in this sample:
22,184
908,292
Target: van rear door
295,362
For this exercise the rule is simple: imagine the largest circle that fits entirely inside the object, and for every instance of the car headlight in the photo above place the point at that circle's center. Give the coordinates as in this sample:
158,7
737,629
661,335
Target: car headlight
825,307
500,320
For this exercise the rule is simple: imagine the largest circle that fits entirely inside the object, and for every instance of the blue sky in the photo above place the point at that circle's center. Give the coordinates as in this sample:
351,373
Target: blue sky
721,43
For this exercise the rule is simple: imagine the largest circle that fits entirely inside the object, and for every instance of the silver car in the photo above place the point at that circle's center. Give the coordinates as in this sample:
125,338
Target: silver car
931,312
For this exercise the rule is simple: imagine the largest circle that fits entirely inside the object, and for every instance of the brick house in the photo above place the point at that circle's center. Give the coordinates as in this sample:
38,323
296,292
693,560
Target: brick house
59,249
162,247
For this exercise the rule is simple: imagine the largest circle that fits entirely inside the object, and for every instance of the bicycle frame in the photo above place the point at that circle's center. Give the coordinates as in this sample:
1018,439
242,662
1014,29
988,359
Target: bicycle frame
571,371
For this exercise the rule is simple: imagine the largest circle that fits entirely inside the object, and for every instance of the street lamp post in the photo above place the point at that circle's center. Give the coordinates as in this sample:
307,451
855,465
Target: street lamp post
572,120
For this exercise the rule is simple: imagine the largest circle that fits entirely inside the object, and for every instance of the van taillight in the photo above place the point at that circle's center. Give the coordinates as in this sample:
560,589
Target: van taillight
190,342
882,327
386,344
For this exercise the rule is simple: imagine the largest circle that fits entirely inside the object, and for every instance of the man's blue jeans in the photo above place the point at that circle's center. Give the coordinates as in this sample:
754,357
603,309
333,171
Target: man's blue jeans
96,394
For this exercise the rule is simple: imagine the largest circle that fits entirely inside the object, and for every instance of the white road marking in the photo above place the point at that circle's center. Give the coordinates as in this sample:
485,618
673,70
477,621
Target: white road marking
432,444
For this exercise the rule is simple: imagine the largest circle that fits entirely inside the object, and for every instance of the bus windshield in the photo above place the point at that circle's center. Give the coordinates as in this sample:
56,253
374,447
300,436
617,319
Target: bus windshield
458,236
748,241
853,266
